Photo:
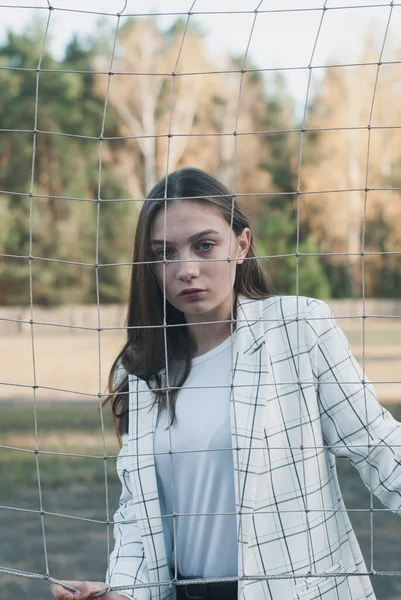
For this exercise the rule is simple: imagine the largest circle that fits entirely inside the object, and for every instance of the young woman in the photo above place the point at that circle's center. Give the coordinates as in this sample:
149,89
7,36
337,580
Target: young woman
232,404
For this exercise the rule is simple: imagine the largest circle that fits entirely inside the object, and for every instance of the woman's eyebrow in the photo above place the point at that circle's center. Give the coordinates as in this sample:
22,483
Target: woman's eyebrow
190,239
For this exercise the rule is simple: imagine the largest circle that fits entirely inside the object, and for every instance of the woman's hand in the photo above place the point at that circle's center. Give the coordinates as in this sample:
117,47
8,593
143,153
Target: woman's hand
85,589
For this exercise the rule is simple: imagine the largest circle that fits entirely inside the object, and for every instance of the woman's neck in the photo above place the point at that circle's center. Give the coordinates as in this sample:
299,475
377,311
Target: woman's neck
216,328
208,336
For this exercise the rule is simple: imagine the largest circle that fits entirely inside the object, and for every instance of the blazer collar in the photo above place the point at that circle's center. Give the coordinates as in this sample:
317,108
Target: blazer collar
249,333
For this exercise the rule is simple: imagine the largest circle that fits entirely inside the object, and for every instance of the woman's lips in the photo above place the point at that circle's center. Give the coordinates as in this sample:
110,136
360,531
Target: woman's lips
193,295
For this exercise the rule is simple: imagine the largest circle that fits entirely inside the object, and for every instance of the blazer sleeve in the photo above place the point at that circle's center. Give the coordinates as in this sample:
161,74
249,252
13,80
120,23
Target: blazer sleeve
355,426
127,563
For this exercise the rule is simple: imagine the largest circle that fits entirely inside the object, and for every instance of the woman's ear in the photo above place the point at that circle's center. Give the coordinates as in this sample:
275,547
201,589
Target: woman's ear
244,242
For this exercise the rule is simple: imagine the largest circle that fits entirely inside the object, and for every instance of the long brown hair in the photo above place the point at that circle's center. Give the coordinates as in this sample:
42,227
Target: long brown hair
144,351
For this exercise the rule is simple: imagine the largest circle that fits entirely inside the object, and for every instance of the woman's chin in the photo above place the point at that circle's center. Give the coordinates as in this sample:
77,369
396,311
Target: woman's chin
194,308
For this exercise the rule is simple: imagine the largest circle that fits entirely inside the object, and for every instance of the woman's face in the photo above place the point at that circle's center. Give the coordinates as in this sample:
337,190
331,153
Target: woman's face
197,235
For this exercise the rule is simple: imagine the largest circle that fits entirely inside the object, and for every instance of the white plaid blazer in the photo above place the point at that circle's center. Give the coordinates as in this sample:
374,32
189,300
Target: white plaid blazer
299,400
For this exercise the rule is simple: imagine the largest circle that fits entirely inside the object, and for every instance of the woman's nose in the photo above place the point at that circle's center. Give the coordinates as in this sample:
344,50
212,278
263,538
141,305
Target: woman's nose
188,269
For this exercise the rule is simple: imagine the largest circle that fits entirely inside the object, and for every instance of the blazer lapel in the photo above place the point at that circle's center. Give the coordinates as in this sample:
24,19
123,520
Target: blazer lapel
142,424
247,412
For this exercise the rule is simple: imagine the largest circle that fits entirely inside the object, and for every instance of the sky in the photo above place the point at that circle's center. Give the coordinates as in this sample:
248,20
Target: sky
288,35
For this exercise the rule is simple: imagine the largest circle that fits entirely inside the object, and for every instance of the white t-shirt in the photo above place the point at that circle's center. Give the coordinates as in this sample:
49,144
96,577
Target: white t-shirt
206,539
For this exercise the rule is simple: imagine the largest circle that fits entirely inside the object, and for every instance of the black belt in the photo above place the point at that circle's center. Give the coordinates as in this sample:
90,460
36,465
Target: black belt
223,590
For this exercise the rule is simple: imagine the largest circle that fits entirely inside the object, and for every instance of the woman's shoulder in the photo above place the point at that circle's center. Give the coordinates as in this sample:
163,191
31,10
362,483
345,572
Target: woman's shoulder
292,306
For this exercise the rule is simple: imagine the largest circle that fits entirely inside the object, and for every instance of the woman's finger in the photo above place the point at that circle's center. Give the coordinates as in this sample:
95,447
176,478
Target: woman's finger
85,589
61,593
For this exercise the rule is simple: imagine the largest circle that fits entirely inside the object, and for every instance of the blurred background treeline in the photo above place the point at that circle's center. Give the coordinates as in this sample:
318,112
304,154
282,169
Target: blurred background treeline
83,198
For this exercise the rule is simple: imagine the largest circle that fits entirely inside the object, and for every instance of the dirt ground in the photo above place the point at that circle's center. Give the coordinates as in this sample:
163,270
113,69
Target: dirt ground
66,366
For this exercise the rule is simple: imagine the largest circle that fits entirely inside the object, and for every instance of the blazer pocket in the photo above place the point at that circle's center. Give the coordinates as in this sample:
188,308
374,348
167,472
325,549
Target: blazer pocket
313,587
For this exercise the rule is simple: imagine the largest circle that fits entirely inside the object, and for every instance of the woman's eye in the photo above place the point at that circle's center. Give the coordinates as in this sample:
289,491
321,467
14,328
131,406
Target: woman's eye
203,244
161,254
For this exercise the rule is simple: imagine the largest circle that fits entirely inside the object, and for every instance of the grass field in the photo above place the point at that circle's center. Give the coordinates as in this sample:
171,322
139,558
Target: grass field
75,487
70,487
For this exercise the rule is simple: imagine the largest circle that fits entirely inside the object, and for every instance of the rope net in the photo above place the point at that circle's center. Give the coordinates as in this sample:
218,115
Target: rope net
167,133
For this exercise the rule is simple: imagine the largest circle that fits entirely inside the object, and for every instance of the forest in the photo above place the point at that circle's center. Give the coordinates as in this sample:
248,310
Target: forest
83,140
